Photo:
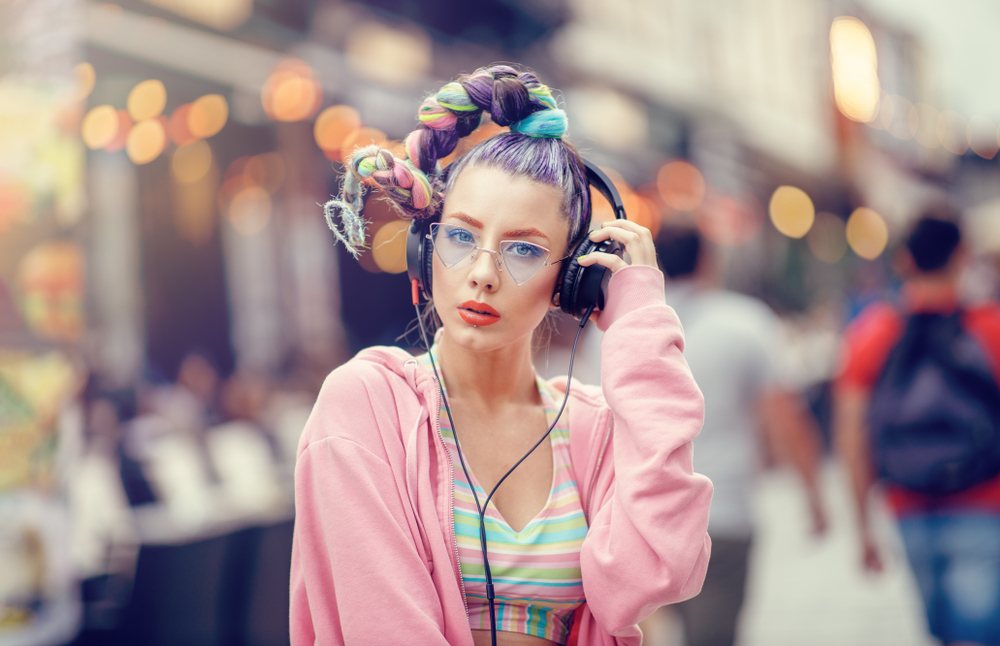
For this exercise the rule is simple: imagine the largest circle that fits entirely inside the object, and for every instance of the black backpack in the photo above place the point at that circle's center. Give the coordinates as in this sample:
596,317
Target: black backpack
934,414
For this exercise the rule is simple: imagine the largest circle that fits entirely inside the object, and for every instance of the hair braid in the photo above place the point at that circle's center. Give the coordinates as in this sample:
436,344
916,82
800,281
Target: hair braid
512,98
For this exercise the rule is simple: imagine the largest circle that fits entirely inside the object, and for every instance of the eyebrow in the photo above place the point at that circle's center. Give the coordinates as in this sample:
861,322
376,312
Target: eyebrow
514,233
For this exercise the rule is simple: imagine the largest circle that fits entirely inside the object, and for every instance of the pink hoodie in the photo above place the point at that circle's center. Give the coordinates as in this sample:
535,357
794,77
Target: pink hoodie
374,558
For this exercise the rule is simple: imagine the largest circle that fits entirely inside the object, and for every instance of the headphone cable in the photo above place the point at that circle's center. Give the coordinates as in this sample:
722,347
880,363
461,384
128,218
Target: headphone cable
481,508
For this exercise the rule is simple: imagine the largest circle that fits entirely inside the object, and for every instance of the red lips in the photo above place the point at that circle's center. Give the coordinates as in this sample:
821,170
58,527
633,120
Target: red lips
478,314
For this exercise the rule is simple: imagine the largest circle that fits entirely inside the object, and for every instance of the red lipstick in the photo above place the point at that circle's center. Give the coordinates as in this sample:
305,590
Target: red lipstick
478,314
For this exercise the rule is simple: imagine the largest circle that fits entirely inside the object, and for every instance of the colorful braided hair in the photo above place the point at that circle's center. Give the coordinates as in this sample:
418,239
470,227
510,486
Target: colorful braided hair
534,148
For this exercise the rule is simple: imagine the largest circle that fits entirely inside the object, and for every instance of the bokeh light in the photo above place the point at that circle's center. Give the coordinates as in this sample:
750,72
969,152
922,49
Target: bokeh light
191,163
147,100
392,55
250,210
50,278
951,132
207,116
333,125
906,123
389,247
146,141
267,170
291,93
99,126
981,133
730,221
827,239
855,69
927,133
86,78
792,211
124,129
886,112
681,185
177,126
867,233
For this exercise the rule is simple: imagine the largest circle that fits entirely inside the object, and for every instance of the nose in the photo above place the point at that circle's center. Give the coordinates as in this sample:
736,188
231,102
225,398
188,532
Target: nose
485,270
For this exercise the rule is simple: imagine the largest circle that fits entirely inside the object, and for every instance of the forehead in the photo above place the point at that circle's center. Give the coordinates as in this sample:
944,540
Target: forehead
504,201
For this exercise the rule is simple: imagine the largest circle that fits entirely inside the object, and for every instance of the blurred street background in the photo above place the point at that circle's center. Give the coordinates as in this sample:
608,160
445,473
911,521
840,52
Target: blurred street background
171,299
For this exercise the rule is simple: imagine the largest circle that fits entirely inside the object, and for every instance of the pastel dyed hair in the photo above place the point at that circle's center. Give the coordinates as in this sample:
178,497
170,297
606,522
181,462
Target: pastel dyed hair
533,148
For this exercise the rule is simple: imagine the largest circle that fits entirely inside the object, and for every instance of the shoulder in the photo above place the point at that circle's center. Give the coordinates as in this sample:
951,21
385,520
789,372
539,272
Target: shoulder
875,323
588,396
357,397
586,401
877,314
866,344
372,371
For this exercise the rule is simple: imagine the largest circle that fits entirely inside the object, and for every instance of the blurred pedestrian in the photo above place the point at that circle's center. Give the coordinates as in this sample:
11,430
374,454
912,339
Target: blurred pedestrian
733,347
917,406
396,538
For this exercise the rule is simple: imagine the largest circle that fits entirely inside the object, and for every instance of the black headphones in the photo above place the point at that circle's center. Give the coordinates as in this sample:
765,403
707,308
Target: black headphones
579,289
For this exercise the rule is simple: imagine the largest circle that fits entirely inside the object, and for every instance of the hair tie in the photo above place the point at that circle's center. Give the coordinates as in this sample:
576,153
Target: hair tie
546,124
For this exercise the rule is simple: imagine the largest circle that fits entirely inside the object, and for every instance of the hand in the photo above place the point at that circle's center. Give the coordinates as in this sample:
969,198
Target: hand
637,240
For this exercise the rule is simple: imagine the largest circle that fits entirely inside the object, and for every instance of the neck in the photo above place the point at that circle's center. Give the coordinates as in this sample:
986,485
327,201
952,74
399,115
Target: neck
931,289
487,380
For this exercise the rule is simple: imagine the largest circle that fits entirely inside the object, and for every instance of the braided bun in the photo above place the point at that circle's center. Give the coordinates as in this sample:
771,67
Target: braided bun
511,97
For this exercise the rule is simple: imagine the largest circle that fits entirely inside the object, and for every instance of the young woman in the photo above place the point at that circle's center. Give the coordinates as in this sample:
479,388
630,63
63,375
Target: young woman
599,525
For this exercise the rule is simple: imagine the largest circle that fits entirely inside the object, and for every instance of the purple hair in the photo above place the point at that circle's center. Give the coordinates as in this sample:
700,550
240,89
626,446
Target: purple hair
548,161
534,148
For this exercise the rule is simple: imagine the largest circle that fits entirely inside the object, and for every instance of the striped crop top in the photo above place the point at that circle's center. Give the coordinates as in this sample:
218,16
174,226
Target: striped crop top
536,572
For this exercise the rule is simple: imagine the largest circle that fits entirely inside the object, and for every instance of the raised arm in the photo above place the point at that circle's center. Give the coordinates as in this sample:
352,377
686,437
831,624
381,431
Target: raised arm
648,543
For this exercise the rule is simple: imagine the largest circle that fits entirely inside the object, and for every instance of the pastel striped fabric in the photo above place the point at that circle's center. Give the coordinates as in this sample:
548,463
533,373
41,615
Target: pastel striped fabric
536,572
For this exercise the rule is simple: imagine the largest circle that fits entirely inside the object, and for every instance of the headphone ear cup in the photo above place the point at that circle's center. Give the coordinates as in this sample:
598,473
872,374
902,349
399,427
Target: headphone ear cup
569,283
427,256
419,255
582,286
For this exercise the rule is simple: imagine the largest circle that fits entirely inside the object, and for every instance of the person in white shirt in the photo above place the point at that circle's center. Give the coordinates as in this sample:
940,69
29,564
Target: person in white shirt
733,348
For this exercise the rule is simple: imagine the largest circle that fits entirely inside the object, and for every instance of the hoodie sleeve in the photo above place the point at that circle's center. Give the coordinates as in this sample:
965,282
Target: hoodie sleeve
648,541
358,575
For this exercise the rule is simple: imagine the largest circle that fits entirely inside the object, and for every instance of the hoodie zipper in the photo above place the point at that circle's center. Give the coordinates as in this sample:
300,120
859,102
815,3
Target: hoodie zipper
451,501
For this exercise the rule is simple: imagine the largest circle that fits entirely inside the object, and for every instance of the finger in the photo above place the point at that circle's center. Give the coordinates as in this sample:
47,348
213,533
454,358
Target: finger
609,260
623,236
628,225
638,247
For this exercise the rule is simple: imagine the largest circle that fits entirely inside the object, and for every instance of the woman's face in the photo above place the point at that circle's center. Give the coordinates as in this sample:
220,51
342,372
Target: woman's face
493,205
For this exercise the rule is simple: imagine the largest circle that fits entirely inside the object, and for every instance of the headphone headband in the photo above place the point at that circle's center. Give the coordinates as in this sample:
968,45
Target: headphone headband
598,179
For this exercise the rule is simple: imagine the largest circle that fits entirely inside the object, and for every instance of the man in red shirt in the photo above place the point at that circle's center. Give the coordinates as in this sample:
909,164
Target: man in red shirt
952,542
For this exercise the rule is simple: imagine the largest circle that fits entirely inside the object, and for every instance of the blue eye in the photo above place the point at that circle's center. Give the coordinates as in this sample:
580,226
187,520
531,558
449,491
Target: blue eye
526,250
458,235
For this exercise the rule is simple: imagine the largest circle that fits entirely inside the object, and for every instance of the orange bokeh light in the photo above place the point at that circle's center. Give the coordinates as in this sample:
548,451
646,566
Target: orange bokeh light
333,125
291,92
177,126
681,185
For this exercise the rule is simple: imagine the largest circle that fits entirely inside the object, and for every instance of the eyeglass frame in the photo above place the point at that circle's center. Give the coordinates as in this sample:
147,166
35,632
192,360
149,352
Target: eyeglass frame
497,255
